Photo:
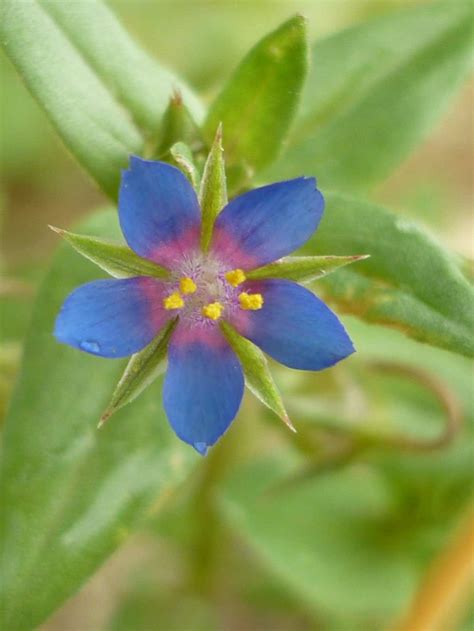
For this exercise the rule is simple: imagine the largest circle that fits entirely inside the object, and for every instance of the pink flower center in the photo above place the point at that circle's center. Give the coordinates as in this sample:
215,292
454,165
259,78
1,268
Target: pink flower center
202,290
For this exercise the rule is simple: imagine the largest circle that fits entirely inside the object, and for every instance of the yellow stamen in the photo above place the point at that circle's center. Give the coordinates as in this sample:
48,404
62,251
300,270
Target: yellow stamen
173,301
212,311
250,302
187,285
235,277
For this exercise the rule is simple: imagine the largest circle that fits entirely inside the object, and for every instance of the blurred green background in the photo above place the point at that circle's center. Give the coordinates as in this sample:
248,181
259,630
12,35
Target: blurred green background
345,542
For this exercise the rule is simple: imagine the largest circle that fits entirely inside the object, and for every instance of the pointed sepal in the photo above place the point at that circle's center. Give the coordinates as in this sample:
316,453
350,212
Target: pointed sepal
142,369
257,373
213,190
177,125
116,259
304,269
182,157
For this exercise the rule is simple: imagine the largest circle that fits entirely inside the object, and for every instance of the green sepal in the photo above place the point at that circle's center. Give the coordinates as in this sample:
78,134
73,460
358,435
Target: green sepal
258,377
116,259
258,103
177,125
142,369
213,190
182,157
303,268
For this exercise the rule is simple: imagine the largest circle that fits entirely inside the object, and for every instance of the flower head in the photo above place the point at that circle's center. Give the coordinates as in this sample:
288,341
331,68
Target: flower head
161,220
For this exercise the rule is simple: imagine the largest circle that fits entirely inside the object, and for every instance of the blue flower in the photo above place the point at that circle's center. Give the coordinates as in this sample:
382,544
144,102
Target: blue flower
161,221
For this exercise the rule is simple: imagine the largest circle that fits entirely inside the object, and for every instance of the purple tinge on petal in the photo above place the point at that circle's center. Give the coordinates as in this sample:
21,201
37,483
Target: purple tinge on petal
267,223
204,385
159,211
294,326
112,318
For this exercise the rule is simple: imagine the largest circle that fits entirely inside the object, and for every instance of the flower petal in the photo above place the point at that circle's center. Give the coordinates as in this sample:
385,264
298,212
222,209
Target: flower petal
159,211
294,326
267,223
203,387
112,318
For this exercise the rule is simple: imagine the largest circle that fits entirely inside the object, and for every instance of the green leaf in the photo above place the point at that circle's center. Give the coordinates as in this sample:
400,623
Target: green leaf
182,157
116,259
137,80
92,124
374,93
257,374
84,71
258,103
303,268
142,369
71,494
323,539
213,191
409,282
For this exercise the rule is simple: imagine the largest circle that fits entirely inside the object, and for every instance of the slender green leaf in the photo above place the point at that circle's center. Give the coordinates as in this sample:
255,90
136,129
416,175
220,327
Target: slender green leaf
142,369
213,191
116,259
140,83
92,124
373,94
257,373
409,282
303,268
75,59
71,494
258,103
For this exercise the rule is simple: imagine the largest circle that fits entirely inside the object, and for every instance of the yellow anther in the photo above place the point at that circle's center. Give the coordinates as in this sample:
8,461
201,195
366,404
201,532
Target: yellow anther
173,301
212,311
250,302
187,285
235,277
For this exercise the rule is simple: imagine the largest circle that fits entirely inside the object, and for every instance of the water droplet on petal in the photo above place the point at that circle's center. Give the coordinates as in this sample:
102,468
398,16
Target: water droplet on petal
89,346
202,448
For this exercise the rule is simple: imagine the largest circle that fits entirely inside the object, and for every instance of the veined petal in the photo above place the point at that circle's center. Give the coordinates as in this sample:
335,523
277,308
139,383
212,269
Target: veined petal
267,223
294,326
159,211
112,318
204,385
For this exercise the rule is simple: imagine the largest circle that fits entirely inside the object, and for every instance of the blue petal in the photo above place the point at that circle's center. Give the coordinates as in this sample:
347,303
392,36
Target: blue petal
294,326
112,318
267,223
159,211
203,387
